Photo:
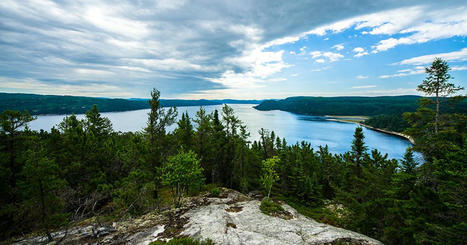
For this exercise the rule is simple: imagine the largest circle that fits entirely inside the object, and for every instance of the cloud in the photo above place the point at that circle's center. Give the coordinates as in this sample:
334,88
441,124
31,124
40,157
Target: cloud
454,56
330,56
406,72
362,77
459,68
416,24
41,87
338,47
359,52
364,86
180,47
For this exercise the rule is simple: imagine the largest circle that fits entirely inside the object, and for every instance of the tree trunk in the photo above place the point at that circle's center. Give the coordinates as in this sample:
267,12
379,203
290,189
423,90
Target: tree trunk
437,112
41,190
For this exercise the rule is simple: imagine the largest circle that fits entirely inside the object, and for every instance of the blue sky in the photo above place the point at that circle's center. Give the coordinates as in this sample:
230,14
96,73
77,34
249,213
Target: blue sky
227,49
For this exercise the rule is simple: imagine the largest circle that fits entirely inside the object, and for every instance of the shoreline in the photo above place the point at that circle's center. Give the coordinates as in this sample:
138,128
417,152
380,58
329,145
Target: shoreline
359,122
407,137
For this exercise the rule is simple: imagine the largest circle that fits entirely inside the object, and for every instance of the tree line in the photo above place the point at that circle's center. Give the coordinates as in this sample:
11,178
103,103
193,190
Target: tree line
83,169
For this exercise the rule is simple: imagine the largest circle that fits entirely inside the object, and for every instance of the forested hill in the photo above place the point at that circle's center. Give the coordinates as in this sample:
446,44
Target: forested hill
351,106
56,104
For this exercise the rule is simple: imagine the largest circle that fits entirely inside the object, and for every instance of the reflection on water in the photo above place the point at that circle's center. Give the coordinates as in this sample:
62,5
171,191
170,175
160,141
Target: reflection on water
316,130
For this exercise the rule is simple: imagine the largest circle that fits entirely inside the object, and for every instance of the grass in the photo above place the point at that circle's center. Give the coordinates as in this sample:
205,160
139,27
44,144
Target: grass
183,241
319,213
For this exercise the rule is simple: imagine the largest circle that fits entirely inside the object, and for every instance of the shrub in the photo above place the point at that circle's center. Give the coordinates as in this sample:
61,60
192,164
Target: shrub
215,192
270,208
183,241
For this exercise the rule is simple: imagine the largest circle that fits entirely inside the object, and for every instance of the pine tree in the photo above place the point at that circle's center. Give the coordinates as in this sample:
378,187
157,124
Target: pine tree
358,149
158,117
437,83
41,186
185,132
97,125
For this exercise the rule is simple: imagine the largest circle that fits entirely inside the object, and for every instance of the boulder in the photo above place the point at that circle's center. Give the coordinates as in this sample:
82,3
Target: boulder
231,218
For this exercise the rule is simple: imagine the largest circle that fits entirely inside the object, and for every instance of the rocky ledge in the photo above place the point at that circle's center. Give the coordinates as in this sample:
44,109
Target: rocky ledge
231,218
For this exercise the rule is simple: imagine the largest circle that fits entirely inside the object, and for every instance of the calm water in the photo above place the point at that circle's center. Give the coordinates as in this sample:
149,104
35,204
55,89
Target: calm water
337,135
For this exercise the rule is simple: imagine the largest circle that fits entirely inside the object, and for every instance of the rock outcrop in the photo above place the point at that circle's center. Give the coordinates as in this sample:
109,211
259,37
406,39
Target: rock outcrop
232,218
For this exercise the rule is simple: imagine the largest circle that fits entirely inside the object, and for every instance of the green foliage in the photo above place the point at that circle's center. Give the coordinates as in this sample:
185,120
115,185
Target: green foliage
215,192
184,132
41,189
181,172
11,121
135,193
437,83
269,176
350,106
270,207
158,117
90,170
390,122
183,241
358,146
95,124
57,104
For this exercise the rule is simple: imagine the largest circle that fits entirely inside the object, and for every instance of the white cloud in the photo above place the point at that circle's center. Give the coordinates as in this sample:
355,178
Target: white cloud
259,66
417,24
459,68
359,52
423,25
330,56
362,77
338,47
364,86
106,20
454,56
92,72
406,72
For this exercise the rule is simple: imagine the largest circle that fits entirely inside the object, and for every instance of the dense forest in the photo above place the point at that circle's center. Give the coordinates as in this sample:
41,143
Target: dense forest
353,106
83,169
385,112
55,104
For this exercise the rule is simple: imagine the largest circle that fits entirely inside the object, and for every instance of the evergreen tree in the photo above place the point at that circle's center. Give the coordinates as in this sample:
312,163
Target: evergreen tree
204,142
437,83
358,149
158,118
41,189
184,132
97,125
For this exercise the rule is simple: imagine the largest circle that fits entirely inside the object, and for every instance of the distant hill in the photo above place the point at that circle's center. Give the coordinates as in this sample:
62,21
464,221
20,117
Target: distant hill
351,105
57,104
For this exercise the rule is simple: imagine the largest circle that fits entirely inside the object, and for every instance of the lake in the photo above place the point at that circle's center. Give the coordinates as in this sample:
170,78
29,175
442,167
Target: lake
318,131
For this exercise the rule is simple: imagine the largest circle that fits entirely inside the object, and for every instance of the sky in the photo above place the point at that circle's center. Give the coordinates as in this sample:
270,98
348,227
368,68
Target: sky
220,49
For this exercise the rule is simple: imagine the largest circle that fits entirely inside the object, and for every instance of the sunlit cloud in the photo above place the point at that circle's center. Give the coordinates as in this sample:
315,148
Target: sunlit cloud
460,55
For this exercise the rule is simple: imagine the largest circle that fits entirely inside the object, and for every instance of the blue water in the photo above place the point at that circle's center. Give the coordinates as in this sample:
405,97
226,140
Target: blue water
337,135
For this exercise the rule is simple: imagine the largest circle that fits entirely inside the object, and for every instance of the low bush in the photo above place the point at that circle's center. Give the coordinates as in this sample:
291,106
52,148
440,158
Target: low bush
183,241
270,208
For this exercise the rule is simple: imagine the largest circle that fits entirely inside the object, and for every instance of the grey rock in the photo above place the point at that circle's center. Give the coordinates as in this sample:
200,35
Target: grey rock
233,218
